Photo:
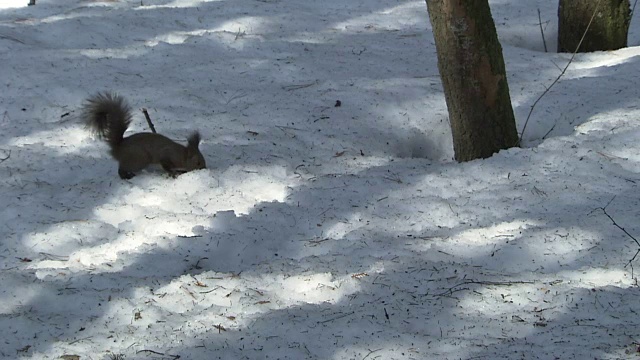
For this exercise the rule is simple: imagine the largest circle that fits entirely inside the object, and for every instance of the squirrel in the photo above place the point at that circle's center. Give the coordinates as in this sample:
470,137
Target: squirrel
108,115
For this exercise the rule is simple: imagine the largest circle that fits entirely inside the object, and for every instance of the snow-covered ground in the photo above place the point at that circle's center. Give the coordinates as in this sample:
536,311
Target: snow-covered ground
318,231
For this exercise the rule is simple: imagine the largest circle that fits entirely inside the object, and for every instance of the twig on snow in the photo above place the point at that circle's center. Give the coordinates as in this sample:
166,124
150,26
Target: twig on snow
544,42
146,115
188,292
300,86
604,210
453,289
12,39
197,265
236,95
371,352
158,353
81,339
189,236
282,127
240,34
8,152
336,318
550,130
559,76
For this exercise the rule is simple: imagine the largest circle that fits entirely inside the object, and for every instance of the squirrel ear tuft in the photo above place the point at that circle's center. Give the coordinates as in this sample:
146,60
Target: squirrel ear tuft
194,139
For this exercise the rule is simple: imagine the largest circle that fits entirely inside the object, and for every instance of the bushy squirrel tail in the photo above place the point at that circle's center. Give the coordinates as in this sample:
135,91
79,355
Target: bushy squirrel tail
108,115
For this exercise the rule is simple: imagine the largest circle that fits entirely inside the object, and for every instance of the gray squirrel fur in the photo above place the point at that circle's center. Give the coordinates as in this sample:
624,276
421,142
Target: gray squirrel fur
108,115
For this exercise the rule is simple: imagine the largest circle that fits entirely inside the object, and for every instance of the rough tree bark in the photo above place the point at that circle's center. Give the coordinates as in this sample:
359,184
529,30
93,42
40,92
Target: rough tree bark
608,31
473,76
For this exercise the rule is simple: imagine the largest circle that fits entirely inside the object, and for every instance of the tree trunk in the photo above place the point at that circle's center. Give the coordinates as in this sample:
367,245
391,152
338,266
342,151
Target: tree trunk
608,30
473,76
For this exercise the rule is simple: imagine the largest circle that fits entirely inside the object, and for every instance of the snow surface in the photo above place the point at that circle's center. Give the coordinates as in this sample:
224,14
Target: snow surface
318,231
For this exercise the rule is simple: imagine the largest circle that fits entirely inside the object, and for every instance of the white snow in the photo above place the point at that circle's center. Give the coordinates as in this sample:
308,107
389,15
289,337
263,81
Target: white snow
317,231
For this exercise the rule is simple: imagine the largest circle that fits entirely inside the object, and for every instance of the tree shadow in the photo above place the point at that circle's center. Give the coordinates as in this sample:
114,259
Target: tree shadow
343,225
608,80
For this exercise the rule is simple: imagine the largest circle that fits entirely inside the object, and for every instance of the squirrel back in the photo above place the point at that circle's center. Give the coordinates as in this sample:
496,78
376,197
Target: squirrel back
108,115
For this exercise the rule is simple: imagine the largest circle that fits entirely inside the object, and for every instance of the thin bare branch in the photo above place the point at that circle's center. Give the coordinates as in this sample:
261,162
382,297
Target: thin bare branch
544,42
526,122
146,116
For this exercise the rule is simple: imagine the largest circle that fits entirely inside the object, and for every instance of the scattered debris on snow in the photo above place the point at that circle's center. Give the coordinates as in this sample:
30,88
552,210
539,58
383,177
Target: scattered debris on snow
332,222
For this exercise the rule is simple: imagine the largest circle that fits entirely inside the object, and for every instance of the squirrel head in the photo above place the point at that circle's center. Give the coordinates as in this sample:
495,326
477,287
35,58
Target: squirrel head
194,160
